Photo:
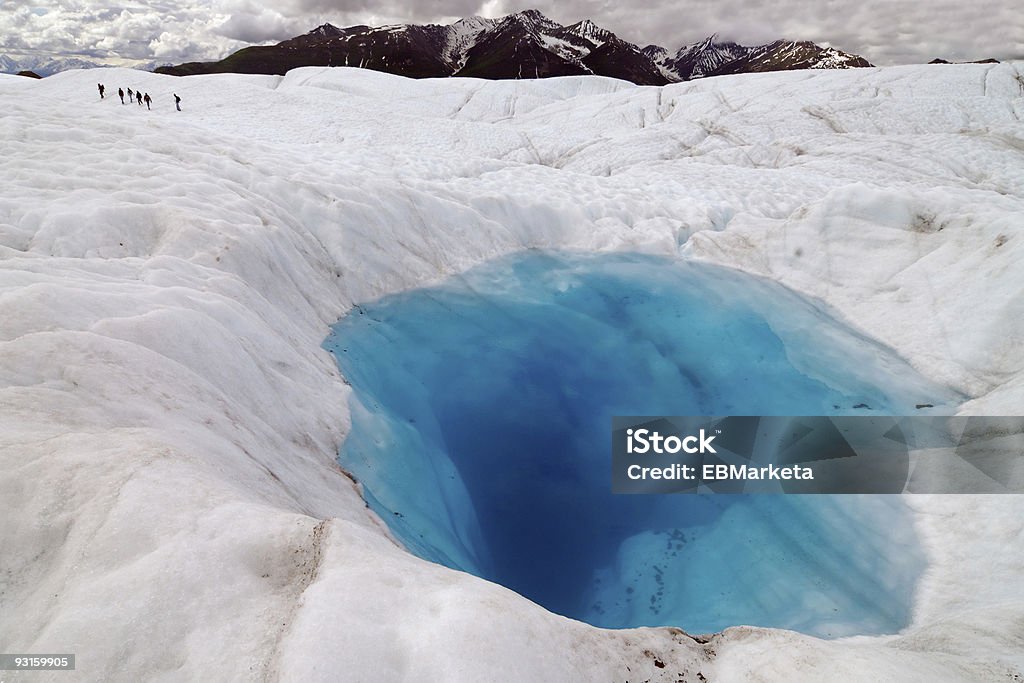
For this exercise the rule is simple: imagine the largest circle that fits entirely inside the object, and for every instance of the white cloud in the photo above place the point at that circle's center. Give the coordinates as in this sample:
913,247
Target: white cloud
884,31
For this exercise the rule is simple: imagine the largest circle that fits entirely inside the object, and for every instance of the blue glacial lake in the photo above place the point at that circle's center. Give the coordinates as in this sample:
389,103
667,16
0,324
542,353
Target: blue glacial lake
481,433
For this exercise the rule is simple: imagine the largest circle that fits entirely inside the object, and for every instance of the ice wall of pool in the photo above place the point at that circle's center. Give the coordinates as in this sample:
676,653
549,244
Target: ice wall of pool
480,431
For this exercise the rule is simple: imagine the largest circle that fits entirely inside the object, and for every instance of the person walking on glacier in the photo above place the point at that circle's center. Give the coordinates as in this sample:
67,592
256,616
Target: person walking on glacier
131,96
101,89
120,93
147,100
177,102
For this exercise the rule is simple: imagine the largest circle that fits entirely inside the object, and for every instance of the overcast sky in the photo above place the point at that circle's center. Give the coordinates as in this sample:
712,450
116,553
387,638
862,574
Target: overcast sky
883,31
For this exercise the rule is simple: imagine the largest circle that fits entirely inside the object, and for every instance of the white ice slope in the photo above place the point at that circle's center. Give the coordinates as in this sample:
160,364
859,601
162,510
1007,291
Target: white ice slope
172,509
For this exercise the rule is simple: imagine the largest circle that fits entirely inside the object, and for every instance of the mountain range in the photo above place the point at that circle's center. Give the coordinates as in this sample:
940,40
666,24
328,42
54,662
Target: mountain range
47,66
44,66
522,45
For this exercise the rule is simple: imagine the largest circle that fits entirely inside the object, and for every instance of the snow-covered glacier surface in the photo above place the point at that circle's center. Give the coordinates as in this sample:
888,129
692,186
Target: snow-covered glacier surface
480,428
169,423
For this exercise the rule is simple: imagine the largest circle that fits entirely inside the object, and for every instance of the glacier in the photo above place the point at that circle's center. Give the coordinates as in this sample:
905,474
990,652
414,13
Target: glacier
169,422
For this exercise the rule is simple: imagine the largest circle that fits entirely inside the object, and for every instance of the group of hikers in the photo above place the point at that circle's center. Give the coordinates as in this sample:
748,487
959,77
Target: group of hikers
136,96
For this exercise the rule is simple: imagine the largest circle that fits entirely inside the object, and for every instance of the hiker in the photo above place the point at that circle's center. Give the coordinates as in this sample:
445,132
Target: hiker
120,93
138,97
131,96
177,102
146,98
100,87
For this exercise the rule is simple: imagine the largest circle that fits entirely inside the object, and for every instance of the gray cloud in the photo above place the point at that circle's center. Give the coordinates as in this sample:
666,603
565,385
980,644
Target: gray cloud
884,31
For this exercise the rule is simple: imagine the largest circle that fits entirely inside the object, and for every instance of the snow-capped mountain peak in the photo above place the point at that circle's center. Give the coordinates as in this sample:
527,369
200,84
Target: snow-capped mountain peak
326,30
533,17
654,52
530,20
590,32
473,24
462,35
705,57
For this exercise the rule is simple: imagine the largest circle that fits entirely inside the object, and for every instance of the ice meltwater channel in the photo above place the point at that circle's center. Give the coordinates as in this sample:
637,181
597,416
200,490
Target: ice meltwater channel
480,426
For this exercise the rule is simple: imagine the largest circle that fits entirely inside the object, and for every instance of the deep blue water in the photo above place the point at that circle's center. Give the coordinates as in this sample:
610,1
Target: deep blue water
481,426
